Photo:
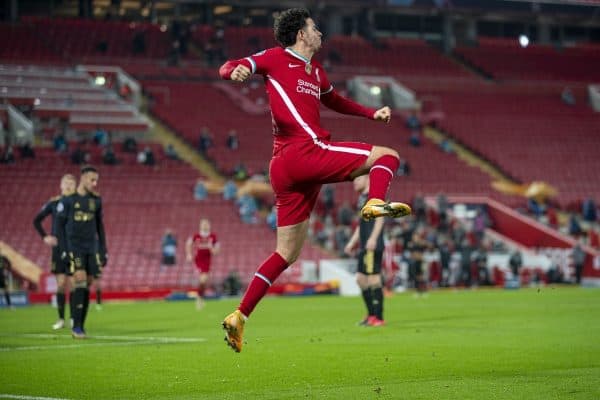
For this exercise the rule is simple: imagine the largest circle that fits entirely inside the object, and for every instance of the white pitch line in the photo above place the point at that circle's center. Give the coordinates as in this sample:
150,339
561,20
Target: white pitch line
120,341
114,337
19,397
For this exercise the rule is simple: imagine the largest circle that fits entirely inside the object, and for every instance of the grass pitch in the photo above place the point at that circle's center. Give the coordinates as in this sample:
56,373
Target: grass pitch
472,344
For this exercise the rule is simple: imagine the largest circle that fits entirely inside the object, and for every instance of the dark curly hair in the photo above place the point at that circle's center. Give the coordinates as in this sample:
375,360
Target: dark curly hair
288,23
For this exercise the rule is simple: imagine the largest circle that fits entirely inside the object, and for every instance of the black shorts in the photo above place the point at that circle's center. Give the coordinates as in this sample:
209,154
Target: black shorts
88,262
2,279
369,262
58,265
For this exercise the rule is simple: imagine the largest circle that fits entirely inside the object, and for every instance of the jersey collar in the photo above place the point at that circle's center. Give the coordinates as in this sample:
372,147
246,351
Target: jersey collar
298,56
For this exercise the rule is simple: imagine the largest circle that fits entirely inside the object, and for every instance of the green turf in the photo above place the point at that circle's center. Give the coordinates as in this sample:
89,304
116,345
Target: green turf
477,344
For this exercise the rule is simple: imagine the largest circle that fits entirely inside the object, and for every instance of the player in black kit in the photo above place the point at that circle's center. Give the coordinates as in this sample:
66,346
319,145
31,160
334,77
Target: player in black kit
81,232
59,265
369,234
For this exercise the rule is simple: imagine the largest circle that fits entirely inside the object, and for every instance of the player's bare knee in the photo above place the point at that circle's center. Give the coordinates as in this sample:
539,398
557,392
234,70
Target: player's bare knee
374,281
80,284
289,256
79,277
361,280
60,283
386,151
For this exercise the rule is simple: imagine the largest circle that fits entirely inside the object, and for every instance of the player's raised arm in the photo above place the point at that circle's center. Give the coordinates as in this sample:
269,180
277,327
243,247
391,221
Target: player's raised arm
240,70
343,105
235,71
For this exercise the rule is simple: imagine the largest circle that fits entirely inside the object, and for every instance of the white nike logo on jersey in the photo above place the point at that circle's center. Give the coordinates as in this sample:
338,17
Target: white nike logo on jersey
294,65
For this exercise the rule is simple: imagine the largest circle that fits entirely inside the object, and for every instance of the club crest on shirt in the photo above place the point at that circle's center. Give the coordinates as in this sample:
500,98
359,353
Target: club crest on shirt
77,205
317,75
308,69
92,205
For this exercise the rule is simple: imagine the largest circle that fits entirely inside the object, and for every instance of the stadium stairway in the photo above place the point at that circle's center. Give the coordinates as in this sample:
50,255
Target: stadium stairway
468,156
161,134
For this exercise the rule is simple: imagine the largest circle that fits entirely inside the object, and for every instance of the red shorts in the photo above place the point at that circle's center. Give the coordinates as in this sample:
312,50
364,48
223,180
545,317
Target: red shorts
298,170
203,266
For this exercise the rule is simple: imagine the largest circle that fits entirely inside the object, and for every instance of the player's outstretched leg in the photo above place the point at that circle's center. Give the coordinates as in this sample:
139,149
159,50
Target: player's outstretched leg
380,176
234,330
266,274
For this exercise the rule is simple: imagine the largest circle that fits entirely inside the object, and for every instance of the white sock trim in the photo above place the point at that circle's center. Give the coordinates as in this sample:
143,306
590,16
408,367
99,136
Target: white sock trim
264,278
382,167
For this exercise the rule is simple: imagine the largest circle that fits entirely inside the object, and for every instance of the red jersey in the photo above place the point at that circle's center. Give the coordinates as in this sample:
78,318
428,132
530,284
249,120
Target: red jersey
296,86
202,244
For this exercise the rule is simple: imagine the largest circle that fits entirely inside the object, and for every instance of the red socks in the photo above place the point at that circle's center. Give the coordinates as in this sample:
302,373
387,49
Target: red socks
263,278
380,176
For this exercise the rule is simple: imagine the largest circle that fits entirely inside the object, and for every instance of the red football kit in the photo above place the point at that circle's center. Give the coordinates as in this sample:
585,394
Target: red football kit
304,157
203,255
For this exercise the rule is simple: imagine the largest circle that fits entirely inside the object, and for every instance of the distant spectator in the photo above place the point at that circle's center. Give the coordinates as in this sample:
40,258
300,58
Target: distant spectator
232,284
480,258
27,151
125,92
169,248
141,157
345,215
108,156
139,42
442,203
248,209
567,96
515,262
150,160
233,142
328,198
229,190
415,138
8,157
200,192
446,146
174,53
413,123
589,210
171,153
578,262
537,208
101,137
403,168
130,145
272,218
102,46
240,173
205,140
59,143
574,226
419,207
552,217
480,223
80,156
